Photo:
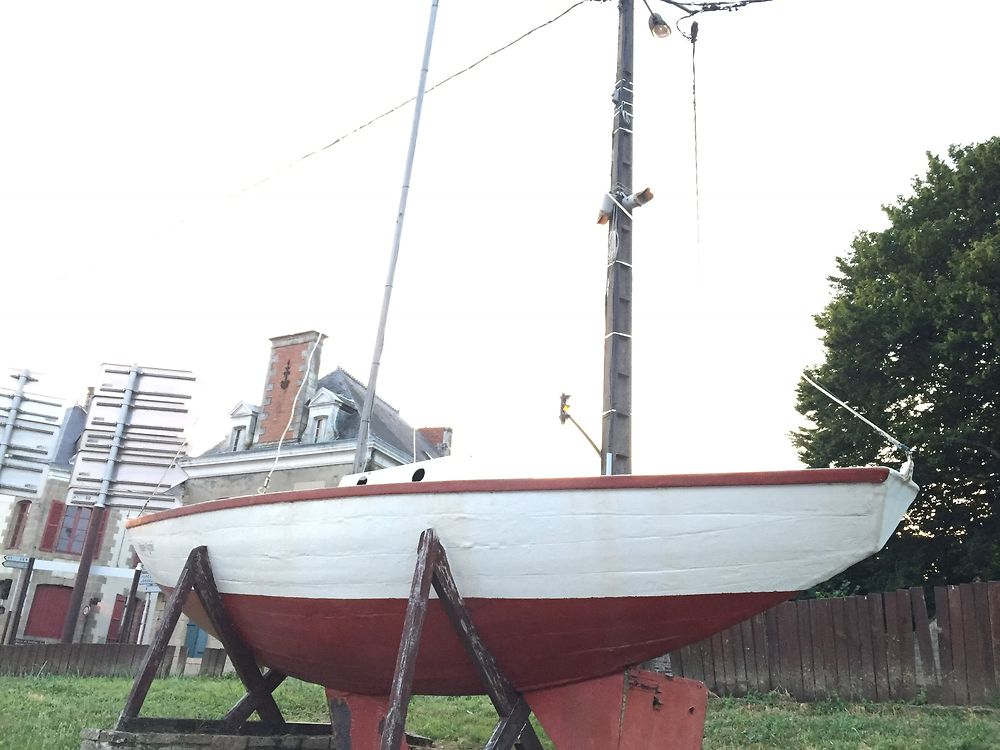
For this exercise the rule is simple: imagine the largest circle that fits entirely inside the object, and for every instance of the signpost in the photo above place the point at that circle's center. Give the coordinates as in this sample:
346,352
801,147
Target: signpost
29,432
19,562
133,439
128,453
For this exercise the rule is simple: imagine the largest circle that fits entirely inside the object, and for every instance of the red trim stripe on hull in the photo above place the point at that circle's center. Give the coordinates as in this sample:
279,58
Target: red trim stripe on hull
351,645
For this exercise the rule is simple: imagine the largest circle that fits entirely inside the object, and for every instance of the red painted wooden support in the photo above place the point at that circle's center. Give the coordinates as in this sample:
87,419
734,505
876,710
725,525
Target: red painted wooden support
197,577
637,711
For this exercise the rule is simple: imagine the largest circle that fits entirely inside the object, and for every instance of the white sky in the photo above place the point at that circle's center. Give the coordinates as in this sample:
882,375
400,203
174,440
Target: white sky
127,129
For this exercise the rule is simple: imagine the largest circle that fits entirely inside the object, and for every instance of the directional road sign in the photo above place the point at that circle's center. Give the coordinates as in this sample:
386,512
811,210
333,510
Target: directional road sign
15,561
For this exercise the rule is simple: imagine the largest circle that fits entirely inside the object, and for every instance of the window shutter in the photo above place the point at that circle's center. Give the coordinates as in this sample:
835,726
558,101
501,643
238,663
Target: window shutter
52,526
100,532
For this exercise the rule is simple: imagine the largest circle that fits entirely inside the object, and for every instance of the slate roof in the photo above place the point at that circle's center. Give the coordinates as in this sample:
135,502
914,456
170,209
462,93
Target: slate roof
387,425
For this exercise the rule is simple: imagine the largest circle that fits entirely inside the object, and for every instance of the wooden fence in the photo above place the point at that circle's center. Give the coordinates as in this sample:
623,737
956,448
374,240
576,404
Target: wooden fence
84,659
879,647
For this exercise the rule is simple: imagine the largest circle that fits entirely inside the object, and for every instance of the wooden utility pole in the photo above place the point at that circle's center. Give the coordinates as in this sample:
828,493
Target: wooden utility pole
616,426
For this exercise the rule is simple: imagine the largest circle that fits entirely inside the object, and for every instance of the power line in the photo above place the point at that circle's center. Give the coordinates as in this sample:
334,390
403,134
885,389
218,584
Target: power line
399,106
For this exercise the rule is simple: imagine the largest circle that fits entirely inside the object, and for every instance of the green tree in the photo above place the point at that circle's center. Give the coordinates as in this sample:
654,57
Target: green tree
912,339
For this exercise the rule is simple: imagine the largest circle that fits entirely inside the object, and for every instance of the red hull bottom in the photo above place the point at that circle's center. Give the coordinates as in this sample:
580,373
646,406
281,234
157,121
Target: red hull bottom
351,645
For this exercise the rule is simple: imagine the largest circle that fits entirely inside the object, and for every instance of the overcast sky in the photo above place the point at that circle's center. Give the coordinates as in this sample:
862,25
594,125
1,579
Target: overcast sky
130,132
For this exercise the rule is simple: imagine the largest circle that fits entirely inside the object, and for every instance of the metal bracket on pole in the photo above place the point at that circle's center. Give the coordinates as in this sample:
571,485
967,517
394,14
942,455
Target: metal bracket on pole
432,570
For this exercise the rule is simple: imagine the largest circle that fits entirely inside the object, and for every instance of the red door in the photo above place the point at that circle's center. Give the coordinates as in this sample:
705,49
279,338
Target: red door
114,629
48,611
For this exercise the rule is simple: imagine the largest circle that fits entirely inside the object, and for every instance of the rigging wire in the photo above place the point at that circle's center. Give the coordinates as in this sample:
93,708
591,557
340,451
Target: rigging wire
694,108
907,468
399,106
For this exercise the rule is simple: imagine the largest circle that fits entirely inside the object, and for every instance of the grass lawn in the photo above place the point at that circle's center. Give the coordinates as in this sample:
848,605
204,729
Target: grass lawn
47,713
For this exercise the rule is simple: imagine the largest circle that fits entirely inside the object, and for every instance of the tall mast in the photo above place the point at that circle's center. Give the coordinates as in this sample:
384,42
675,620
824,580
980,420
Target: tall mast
361,451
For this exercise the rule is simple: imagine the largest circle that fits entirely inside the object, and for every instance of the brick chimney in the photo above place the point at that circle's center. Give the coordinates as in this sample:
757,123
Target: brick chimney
286,371
439,437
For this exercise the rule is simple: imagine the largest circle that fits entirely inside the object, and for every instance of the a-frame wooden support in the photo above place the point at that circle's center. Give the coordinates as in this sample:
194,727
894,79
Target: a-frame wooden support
432,570
197,576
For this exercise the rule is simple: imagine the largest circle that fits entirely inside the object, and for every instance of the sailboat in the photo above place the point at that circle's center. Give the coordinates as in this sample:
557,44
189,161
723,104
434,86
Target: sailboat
568,580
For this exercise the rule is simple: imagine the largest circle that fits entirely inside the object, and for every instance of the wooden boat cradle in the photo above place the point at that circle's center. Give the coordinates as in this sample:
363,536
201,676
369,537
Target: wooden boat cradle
431,569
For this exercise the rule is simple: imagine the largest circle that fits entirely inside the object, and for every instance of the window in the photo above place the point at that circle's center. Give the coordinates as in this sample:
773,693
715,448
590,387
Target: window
73,530
66,529
319,429
17,528
237,443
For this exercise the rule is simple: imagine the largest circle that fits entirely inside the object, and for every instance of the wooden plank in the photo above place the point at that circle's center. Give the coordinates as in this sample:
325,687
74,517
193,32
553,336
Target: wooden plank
728,665
981,595
676,661
756,655
789,650
719,662
23,659
749,656
876,613
39,661
802,614
55,658
973,651
773,656
98,653
892,647
993,595
926,670
8,660
85,654
942,612
128,661
707,662
824,649
759,627
738,660
867,683
958,655
11,663
838,615
103,658
692,663
907,650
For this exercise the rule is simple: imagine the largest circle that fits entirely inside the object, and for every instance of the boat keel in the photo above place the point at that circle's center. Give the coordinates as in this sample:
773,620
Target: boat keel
636,711
358,720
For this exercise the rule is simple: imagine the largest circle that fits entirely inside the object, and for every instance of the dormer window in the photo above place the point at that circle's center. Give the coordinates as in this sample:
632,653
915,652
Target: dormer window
324,409
244,424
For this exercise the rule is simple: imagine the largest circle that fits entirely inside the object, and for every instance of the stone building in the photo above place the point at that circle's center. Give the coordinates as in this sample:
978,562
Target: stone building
315,419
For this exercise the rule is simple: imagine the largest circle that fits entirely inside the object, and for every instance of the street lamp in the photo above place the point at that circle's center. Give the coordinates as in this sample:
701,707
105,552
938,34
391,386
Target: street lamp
657,25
